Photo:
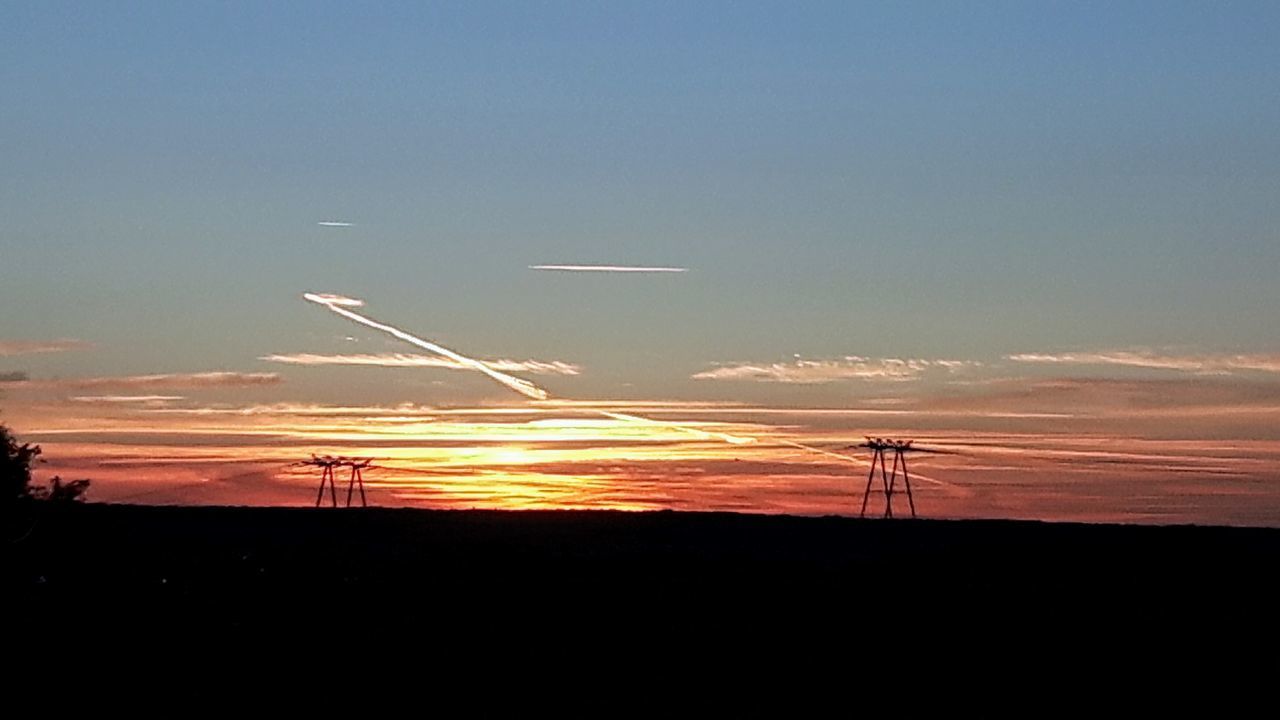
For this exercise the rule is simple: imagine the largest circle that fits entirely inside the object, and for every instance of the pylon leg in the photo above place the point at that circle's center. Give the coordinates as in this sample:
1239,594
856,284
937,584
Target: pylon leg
884,482
351,485
326,477
893,478
333,489
870,477
907,479
360,479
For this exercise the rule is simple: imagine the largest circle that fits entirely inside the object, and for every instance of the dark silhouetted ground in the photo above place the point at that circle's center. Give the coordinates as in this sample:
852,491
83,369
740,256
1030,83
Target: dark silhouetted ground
480,574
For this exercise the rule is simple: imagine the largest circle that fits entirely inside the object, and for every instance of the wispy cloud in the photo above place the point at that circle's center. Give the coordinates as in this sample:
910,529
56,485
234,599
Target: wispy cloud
335,224
609,268
1099,398
14,376
1208,364
808,372
146,382
32,347
307,410
127,399
537,367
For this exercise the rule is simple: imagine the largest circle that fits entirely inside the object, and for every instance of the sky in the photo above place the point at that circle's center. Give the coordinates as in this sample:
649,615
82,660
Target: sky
1043,236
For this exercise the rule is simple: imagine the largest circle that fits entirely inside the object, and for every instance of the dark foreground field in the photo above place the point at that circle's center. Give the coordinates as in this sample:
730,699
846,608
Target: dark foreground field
478,583
161,570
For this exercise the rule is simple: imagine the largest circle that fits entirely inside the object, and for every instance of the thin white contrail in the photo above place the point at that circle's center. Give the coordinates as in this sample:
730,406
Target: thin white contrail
731,439
736,440
335,223
609,268
340,303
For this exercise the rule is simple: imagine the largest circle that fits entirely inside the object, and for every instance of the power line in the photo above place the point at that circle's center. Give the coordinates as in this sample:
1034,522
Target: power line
327,465
878,447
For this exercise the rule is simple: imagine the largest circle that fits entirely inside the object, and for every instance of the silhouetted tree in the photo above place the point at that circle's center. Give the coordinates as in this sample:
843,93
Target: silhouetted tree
59,491
15,475
15,466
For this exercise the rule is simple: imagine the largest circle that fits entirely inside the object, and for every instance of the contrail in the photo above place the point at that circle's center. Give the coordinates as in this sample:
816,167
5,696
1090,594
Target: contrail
335,223
609,268
339,305
331,299
731,439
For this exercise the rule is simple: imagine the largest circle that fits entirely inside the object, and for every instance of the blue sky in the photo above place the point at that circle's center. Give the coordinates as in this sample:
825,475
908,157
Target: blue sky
845,178
1074,203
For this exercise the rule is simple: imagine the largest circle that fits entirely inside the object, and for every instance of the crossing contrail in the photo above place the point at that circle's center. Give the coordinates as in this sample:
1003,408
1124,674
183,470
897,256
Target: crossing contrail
731,439
340,304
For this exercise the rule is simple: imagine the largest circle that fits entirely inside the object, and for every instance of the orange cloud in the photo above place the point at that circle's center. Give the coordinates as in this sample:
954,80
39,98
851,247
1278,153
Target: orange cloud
32,347
312,410
155,382
557,455
145,399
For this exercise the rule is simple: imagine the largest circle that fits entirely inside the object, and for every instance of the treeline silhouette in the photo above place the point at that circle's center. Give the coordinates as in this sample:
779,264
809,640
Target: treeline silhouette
15,476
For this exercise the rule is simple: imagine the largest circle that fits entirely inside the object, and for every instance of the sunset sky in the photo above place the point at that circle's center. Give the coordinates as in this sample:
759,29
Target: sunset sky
1042,236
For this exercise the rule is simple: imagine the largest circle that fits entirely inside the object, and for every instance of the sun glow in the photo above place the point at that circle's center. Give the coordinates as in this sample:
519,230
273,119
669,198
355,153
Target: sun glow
592,454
